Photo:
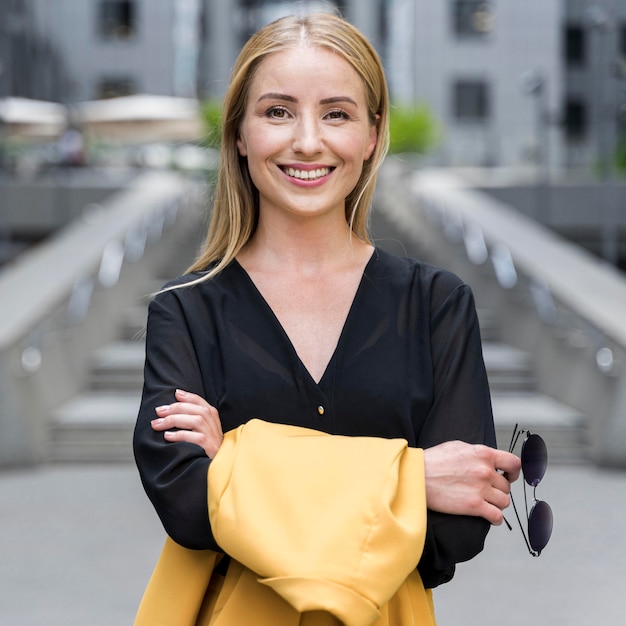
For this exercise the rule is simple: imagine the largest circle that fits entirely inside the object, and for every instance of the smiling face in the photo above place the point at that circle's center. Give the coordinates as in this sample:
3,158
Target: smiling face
306,132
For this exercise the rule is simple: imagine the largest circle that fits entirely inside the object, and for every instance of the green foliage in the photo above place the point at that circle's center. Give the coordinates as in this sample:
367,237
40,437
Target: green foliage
212,116
411,129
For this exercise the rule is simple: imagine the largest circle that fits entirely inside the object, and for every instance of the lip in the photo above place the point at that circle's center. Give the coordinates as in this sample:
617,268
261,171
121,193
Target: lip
308,175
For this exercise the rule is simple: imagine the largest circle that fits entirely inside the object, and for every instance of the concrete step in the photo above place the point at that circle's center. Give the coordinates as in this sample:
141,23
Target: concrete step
508,368
95,427
118,365
134,323
488,325
562,427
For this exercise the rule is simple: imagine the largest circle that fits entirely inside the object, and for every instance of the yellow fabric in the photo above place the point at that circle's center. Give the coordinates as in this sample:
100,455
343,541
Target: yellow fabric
179,594
177,588
323,530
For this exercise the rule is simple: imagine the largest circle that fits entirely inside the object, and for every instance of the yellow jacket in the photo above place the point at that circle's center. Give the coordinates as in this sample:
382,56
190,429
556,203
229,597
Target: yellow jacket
322,530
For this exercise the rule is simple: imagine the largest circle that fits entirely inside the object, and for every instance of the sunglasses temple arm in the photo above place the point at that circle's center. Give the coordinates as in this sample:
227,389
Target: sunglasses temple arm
521,527
513,438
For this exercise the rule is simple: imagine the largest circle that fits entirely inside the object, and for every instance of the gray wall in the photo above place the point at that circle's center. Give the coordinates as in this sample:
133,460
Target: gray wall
426,57
147,58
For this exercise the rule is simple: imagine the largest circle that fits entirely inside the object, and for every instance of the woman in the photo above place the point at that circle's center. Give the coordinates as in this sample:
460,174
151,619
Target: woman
292,324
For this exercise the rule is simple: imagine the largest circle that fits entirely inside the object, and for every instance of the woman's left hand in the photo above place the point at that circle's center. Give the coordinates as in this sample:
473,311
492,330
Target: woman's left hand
466,479
196,420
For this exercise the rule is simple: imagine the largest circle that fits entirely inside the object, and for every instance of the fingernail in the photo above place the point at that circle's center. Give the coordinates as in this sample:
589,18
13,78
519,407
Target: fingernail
180,392
162,408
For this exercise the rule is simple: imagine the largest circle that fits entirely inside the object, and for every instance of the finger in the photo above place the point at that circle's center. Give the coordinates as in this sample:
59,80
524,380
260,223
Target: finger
501,482
207,413
498,498
495,516
184,407
187,396
210,444
179,420
186,421
509,464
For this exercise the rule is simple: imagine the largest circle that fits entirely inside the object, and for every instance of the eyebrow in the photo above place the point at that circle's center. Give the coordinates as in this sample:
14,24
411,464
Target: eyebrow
280,96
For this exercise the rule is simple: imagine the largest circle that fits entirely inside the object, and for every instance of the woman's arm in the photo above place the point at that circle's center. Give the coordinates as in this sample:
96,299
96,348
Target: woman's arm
173,468
465,490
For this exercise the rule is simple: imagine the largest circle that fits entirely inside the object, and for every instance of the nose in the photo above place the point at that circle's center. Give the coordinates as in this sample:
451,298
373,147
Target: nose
307,136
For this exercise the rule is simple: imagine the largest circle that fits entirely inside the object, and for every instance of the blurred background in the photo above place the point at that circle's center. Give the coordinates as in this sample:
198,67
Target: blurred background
507,166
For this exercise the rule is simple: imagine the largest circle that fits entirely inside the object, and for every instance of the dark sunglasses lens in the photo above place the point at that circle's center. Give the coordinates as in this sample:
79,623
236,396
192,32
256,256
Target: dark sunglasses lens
534,459
540,526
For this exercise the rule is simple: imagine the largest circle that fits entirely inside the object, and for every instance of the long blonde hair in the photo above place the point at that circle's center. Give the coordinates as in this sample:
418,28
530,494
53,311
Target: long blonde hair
236,204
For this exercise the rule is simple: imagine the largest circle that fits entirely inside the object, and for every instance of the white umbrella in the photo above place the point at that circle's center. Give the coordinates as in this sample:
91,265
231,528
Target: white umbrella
32,118
141,118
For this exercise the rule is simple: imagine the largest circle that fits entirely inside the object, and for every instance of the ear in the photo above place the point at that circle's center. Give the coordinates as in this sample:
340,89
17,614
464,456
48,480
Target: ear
372,140
241,146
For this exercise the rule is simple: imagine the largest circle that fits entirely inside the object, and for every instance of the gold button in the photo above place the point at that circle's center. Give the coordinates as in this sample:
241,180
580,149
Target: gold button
320,409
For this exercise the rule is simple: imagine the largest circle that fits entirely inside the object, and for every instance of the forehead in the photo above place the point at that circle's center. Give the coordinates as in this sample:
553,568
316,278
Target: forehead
307,69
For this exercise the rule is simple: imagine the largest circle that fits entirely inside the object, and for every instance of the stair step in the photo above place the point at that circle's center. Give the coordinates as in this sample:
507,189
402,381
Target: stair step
508,368
561,426
118,365
134,324
95,427
488,325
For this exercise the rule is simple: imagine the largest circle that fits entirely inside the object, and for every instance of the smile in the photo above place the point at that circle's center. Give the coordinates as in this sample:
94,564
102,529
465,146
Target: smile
307,174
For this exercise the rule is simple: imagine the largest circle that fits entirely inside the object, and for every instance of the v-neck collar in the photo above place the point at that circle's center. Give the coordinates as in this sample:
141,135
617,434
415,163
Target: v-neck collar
346,324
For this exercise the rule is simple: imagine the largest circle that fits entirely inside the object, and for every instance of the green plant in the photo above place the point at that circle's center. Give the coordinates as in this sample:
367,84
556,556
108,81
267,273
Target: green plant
411,129
212,116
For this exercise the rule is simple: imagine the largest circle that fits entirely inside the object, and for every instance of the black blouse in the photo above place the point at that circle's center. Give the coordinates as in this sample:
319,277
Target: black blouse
408,364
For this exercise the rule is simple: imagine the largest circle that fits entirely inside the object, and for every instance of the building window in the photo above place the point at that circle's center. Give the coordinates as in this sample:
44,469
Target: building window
472,18
471,100
575,120
117,19
116,87
622,40
575,46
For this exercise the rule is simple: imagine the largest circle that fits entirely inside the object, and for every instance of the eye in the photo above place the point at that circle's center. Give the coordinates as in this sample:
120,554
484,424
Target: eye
337,115
277,113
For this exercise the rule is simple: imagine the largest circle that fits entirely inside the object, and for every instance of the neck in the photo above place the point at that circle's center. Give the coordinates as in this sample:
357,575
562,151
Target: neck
305,247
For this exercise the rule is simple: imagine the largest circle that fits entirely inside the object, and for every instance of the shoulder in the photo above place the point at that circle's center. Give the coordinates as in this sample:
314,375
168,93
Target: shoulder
196,285
425,286
195,295
415,273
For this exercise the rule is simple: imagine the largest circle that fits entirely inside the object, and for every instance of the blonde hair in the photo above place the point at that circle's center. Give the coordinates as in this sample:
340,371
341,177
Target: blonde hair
236,204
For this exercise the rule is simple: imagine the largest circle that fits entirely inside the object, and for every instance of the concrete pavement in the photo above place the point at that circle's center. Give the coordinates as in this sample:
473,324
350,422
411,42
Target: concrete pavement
78,543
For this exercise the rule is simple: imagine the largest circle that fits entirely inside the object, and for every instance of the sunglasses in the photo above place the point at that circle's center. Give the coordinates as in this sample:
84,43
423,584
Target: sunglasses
534,457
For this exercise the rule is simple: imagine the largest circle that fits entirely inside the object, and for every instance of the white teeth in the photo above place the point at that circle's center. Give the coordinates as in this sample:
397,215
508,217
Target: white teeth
308,174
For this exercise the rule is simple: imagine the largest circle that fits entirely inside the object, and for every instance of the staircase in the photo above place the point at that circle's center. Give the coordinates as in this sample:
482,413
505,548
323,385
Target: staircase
516,400
97,425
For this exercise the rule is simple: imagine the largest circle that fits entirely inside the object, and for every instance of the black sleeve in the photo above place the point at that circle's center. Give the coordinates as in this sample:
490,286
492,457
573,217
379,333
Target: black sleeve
174,475
461,411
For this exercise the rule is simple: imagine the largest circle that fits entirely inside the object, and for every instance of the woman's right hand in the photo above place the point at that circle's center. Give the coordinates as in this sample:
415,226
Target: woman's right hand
194,418
466,479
